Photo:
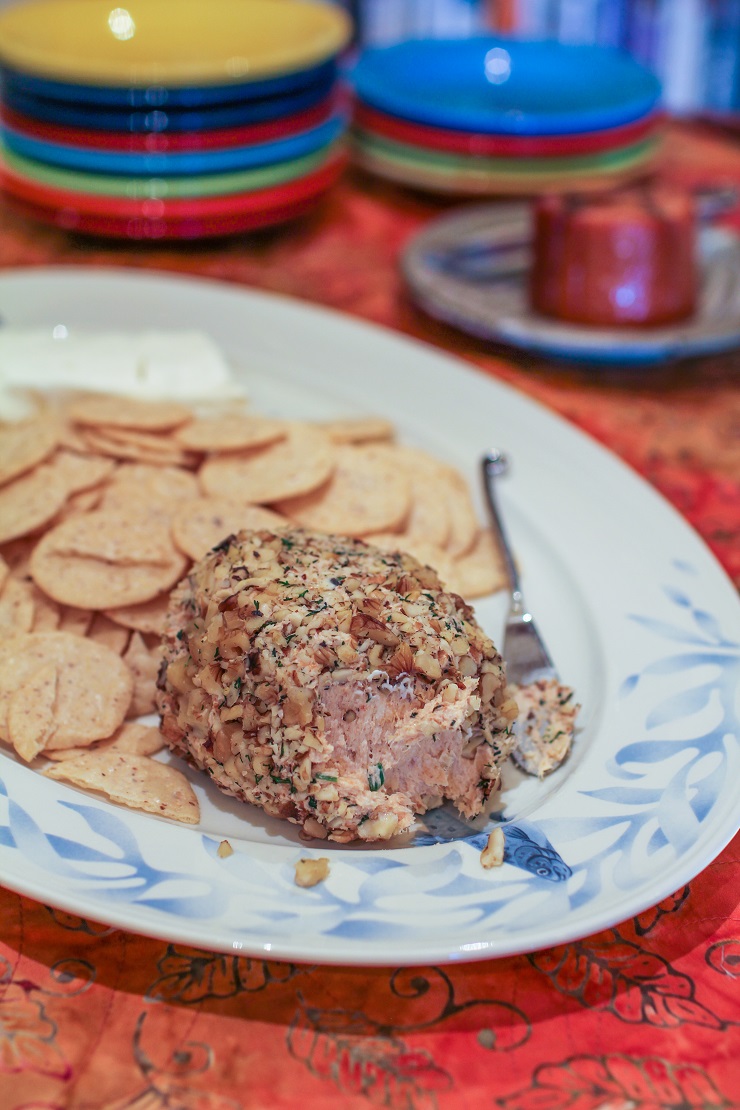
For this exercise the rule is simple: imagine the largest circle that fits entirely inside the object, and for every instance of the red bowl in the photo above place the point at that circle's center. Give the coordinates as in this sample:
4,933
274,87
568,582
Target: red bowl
198,208
521,146
154,230
160,142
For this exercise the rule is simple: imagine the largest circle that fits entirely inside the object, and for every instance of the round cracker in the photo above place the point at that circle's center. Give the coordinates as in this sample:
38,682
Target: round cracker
29,502
46,613
197,526
79,472
159,488
104,631
301,462
366,492
464,524
360,429
24,445
481,570
127,412
16,606
30,714
132,780
148,616
150,441
230,433
429,518
123,447
144,663
93,684
106,559
82,502
132,738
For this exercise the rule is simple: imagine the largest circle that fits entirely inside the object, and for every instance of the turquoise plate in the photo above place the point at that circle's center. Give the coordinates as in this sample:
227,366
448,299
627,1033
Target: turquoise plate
493,85
87,160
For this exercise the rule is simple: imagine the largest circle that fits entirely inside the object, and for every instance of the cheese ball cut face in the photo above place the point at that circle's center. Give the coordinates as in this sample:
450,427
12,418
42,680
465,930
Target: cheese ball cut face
333,684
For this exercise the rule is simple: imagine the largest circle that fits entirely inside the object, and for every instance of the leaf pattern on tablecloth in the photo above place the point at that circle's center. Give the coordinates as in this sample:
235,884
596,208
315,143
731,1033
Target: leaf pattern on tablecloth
27,1033
188,975
618,1082
348,1050
166,1086
70,976
724,957
506,1026
645,922
367,1055
607,972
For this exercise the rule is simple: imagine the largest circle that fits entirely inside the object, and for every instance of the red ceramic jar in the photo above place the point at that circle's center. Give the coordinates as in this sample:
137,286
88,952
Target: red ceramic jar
622,258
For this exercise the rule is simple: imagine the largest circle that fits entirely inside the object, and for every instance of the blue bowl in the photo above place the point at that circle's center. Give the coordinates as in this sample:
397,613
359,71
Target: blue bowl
175,164
159,96
495,85
157,119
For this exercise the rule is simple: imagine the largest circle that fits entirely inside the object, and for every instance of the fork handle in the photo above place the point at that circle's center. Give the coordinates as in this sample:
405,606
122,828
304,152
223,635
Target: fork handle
494,464
527,657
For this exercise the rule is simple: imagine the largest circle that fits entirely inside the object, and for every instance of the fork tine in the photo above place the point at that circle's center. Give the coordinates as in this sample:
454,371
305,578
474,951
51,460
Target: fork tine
527,658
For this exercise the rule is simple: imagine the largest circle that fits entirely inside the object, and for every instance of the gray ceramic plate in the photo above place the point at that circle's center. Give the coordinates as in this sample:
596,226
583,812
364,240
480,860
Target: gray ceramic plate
469,268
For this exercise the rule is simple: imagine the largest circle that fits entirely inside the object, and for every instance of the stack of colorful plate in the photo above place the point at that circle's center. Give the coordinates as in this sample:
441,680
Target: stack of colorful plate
489,115
170,118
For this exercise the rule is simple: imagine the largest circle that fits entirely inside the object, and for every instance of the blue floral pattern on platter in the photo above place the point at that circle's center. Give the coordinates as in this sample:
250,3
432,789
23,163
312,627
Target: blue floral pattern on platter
585,852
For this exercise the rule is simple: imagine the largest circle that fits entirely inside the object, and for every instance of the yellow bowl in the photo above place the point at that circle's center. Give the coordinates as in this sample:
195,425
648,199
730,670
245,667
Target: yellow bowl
169,42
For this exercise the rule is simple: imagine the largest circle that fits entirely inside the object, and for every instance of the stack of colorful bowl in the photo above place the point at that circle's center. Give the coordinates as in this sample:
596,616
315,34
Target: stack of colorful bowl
487,115
170,119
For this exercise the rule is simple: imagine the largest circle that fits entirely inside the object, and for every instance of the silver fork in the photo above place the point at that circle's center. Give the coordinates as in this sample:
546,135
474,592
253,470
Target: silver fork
527,658
544,728
527,662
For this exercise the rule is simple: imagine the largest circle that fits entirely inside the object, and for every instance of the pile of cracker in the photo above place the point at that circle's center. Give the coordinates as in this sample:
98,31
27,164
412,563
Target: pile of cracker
105,503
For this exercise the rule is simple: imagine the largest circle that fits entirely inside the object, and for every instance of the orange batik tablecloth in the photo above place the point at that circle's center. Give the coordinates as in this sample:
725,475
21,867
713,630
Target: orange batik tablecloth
645,1015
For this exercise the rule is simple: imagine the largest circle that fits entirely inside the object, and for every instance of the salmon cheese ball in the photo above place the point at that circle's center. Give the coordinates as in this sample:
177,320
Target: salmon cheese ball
333,684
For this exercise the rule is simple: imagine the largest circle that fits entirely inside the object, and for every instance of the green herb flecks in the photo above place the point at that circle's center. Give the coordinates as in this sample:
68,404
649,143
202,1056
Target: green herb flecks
375,777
